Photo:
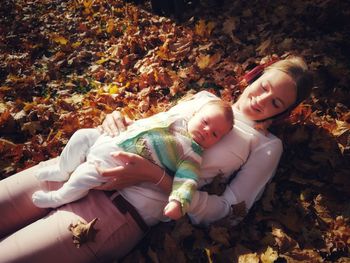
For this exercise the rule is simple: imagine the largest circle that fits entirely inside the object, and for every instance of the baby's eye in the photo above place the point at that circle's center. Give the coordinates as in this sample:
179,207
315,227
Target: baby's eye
215,134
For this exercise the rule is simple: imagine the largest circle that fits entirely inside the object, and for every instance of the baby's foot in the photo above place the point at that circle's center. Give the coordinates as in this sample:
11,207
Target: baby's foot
45,199
51,173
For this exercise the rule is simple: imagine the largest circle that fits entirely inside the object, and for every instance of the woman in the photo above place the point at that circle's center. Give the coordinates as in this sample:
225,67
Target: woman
124,216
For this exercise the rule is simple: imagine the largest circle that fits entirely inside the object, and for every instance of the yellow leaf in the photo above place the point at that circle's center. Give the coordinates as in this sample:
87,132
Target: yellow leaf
341,128
209,255
88,3
28,106
102,60
113,88
203,61
248,258
3,107
76,44
60,40
269,256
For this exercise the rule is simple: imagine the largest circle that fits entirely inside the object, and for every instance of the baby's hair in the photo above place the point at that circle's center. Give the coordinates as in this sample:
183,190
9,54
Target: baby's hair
225,106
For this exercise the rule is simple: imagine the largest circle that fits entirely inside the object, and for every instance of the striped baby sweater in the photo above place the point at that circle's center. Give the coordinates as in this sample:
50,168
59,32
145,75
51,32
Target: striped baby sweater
167,143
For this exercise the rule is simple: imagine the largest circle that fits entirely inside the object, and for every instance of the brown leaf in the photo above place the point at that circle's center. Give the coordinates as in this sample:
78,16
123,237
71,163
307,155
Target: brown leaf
284,242
182,229
220,235
83,232
264,46
229,26
32,127
303,255
172,252
322,210
268,197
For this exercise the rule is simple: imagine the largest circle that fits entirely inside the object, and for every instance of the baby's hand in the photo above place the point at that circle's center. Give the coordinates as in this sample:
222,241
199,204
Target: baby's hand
173,210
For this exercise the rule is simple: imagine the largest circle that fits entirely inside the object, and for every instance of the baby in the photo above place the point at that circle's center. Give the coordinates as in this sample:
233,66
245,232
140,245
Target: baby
173,143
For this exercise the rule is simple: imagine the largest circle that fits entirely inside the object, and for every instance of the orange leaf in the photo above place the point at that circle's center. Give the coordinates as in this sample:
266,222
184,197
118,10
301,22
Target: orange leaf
203,61
200,28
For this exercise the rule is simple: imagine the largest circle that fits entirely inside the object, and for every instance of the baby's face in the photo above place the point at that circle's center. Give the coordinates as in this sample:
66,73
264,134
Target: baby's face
208,126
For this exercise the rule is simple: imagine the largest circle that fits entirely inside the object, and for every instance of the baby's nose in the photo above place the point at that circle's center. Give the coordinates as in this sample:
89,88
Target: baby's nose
206,129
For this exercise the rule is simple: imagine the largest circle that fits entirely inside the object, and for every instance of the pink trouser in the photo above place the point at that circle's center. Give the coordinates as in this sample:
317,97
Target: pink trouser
30,234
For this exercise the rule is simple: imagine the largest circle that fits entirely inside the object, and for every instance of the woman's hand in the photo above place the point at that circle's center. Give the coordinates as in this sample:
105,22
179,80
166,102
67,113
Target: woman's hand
114,123
134,170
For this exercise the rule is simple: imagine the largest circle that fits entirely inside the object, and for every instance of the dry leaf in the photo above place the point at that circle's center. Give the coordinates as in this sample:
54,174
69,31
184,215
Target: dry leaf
269,256
60,40
220,235
248,258
83,232
229,26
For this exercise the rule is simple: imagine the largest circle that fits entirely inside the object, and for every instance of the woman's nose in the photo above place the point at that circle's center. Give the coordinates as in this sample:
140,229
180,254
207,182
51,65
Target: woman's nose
262,99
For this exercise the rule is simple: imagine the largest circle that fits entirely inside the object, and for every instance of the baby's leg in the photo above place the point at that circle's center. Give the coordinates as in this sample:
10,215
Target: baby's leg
73,154
84,178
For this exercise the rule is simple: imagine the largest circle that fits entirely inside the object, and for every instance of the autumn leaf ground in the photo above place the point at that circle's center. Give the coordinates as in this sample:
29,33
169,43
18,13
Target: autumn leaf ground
65,64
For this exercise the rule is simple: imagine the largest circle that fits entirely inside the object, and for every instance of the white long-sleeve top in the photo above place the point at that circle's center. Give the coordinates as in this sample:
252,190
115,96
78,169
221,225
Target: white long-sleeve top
254,155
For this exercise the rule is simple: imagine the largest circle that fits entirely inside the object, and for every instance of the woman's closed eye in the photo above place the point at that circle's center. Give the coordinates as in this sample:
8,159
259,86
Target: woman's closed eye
264,86
277,103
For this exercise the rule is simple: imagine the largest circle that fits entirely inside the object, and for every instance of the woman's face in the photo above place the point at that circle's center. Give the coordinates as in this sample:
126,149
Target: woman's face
271,94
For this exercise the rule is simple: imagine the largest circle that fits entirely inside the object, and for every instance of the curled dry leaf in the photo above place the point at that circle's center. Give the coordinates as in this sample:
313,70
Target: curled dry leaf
83,232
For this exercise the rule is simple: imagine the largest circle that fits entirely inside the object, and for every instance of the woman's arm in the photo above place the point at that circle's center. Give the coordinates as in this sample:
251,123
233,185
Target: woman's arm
135,169
246,187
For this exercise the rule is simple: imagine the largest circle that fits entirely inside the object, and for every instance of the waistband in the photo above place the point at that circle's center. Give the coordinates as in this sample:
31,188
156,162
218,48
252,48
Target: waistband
125,207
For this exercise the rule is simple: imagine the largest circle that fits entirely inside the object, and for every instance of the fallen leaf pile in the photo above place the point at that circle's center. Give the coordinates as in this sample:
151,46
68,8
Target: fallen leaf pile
65,64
